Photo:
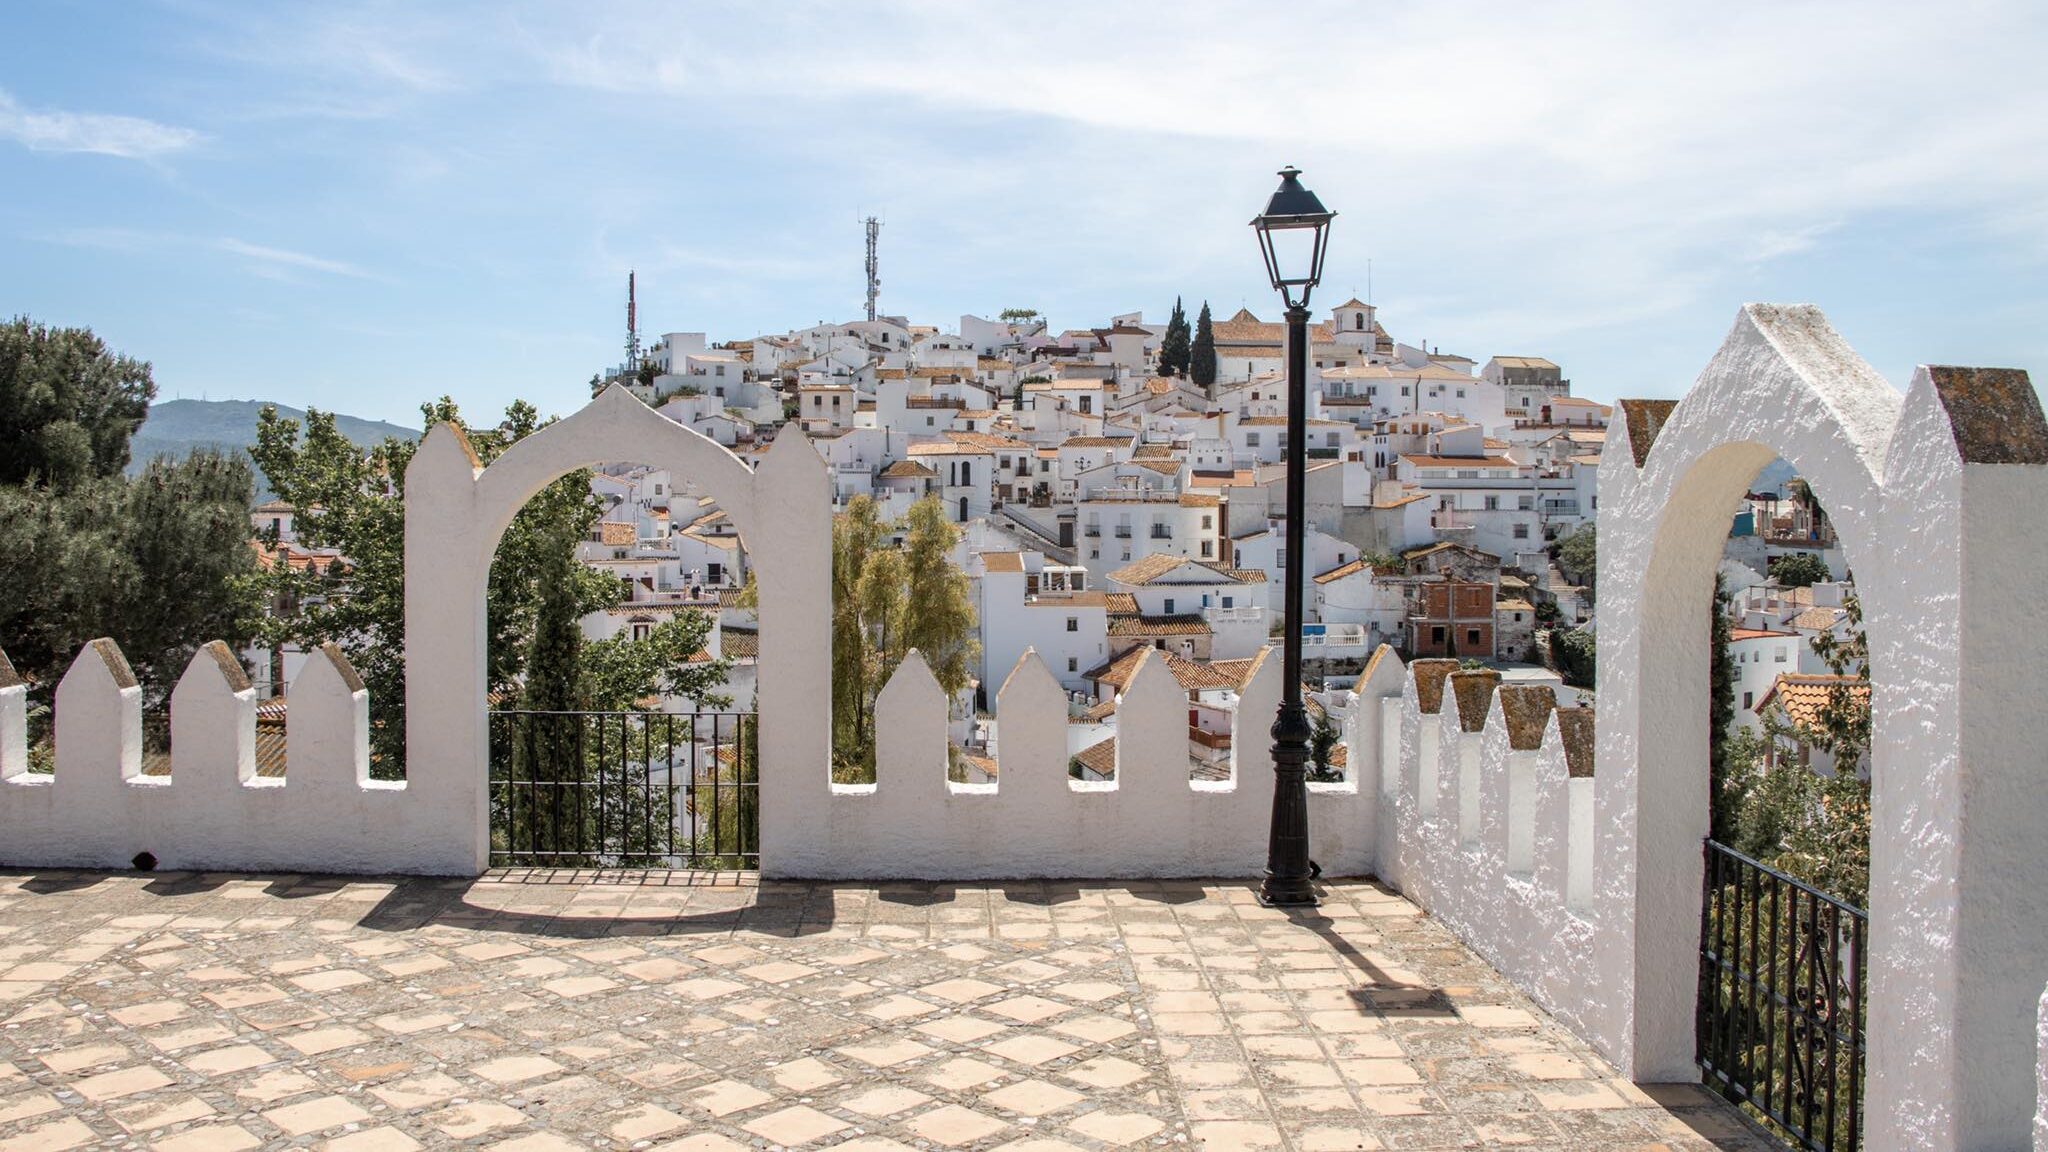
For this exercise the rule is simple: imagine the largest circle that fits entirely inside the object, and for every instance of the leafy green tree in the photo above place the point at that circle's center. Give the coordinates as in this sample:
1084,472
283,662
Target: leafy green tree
1578,553
68,405
354,502
1574,653
1174,350
160,563
1202,353
886,601
1799,570
939,618
1019,315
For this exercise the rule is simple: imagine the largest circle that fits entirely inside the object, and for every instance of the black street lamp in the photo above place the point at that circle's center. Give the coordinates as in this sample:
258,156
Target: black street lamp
1294,231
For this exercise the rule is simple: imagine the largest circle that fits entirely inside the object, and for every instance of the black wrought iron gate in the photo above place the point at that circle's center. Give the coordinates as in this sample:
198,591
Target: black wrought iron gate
624,790
1781,1006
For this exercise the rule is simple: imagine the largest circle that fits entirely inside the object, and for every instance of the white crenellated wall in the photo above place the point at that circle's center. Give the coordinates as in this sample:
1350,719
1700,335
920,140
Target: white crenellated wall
212,812
1034,821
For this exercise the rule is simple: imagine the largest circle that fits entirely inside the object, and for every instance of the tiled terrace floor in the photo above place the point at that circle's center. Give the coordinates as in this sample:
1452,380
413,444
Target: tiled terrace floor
537,1011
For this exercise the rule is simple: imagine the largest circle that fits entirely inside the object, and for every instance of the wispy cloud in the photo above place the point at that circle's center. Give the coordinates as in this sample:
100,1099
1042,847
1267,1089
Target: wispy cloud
285,257
108,135
261,259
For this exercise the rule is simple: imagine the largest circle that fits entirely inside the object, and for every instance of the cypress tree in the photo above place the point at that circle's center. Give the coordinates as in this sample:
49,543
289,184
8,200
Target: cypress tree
1174,353
1720,715
1202,356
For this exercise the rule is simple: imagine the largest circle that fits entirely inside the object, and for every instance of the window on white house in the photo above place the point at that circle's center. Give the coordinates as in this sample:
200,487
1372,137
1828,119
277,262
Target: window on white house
1778,657
1227,601
1493,503
1207,522
1073,664
1208,549
1251,439
1169,605
1073,623
1748,699
1521,531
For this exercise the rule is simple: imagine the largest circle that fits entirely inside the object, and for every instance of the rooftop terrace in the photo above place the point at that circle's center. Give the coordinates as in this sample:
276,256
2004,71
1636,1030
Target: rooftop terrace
703,1012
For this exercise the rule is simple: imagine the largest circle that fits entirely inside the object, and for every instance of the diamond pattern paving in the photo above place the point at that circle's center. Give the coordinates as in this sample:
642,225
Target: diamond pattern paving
680,1012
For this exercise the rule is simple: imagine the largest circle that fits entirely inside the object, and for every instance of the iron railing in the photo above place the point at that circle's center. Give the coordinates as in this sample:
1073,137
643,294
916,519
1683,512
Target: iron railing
1781,1003
624,790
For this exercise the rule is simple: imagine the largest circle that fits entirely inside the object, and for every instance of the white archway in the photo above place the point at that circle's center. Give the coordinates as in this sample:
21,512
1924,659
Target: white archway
1936,496
456,511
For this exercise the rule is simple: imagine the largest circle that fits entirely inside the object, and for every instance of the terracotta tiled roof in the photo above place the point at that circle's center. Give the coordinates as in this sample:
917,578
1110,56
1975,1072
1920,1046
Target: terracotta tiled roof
1096,442
1343,570
1180,625
739,644
1003,561
1124,602
907,469
1154,452
1803,697
1143,572
1192,675
1099,758
1756,633
1816,618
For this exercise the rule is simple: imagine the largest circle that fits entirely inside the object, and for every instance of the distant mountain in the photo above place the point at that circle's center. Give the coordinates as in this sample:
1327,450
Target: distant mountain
176,427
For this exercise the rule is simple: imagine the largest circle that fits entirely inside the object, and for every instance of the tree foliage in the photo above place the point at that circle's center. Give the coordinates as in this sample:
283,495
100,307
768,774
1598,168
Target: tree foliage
1174,350
1574,654
159,562
68,405
886,601
1799,570
1019,315
1578,553
1202,353
1814,827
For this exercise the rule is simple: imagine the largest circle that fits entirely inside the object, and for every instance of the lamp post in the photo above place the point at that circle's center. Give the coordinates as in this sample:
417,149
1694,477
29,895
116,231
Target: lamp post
1294,231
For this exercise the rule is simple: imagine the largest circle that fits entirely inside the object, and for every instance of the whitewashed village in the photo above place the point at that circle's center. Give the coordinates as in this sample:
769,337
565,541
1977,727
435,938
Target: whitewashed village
1107,502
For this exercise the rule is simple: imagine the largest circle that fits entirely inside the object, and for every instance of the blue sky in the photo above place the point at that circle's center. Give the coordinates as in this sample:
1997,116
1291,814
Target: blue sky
360,205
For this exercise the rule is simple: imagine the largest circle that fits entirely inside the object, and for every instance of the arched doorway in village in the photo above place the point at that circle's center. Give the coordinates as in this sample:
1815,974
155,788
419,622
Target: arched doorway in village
1947,987
538,782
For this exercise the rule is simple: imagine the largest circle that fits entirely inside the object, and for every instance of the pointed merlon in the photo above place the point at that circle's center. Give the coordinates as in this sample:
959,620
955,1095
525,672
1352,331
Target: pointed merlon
9,678
1474,690
1641,420
231,671
1526,709
1575,732
1994,413
1429,683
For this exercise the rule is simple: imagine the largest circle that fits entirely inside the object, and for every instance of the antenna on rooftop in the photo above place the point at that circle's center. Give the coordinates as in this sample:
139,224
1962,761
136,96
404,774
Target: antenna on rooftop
632,329
874,228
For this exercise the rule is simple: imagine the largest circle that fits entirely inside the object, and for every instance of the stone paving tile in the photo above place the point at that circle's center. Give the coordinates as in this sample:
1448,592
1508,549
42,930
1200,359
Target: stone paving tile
537,1011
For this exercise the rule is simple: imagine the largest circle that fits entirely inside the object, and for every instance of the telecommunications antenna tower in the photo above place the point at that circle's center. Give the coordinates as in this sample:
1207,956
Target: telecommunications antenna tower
632,330
874,227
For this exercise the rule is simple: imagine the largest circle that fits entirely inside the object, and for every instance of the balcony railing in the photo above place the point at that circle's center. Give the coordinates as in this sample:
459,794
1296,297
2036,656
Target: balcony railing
1781,1009
624,790
1161,532
1241,614
1123,531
